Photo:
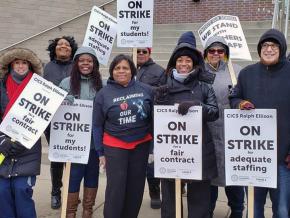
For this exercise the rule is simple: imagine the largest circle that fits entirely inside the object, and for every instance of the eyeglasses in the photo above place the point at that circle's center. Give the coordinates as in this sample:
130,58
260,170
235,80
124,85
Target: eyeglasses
273,46
142,51
213,51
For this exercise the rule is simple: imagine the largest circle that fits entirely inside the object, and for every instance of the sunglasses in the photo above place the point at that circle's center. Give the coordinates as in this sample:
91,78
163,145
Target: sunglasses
213,51
142,51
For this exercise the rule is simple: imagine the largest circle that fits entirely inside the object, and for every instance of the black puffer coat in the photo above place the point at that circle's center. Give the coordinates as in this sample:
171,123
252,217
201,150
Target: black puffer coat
28,162
196,89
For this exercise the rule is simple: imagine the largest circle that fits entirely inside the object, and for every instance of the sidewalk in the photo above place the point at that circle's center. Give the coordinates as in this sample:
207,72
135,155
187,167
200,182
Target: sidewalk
43,188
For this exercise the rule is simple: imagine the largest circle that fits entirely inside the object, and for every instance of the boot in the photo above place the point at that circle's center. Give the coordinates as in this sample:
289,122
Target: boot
72,204
56,177
154,192
89,201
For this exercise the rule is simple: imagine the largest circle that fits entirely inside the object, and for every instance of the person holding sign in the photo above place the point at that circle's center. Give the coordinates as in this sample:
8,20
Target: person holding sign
85,81
152,74
216,54
20,167
266,85
61,51
122,125
188,84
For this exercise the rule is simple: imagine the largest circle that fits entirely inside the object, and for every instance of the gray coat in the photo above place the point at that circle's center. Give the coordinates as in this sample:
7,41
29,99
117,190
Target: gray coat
221,86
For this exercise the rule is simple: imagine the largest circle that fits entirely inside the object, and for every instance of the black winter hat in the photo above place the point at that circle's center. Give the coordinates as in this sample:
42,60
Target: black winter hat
187,37
185,52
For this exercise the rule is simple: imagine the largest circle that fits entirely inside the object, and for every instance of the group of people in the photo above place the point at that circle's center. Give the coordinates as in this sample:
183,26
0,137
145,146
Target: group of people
122,128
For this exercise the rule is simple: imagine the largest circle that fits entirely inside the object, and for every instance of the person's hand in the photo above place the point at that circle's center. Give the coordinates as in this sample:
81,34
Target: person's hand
184,106
102,163
160,93
287,160
150,158
70,99
246,105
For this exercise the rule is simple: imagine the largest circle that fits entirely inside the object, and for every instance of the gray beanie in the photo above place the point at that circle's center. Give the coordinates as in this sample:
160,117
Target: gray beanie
85,50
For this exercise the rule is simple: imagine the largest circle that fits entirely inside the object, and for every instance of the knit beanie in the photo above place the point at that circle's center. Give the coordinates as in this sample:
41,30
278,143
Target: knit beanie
85,50
185,52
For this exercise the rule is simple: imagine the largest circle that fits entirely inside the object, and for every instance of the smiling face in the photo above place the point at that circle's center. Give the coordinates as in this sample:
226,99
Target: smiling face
184,64
270,53
122,73
20,66
63,50
85,64
215,54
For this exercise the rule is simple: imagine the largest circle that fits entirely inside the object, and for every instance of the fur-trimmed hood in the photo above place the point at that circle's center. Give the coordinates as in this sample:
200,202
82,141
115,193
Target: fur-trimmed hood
20,53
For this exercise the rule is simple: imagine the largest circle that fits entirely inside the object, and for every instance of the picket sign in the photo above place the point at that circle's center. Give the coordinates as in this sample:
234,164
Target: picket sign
65,189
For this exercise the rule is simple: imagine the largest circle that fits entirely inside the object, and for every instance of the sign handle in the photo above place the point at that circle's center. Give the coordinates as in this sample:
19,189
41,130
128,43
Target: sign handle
250,201
178,198
65,189
134,51
232,72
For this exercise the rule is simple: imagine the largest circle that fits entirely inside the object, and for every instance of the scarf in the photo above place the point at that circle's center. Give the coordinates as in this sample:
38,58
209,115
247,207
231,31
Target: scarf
14,89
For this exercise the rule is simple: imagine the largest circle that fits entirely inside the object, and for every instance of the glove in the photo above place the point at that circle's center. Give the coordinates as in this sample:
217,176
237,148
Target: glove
161,93
70,98
16,149
287,160
184,106
246,105
151,158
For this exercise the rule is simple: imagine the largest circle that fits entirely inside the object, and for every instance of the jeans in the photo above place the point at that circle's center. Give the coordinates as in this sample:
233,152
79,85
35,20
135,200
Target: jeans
235,195
283,192
16,197
89,172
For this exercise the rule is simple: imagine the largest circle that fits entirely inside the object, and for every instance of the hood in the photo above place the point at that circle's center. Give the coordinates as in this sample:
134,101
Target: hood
278,37
186,41
218,39
20,53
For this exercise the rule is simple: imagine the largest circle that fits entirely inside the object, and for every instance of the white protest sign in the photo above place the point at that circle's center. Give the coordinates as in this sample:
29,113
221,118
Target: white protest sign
177,143
101,33
251,147
135,23
229,27
32,111
70,133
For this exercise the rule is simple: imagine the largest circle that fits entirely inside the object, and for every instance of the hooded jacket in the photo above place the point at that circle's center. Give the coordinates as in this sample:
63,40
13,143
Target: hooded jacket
221,86
267,87
28,162
196,86
151,74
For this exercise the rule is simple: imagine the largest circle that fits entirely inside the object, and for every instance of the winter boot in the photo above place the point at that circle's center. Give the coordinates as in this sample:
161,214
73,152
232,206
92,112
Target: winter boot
56,177
72,204
89,201
154,192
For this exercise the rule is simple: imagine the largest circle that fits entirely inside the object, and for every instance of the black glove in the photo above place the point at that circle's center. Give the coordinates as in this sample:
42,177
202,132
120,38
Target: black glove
161,93
16,149
184,106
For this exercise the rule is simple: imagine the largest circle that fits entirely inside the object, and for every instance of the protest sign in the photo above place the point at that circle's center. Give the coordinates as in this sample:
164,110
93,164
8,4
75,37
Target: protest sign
135,23
101,33
177,143
70,133
251,147
230,29
32,111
